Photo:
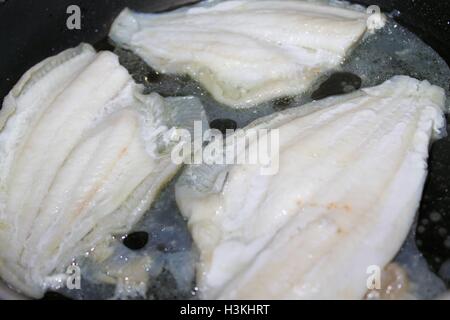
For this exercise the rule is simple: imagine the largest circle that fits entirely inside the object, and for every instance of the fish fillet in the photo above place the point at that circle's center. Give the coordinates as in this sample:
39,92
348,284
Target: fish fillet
245,52
350,178
82,155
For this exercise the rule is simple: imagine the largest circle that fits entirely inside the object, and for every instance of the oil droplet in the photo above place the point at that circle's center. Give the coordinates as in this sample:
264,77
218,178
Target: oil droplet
136,240
435,216
337,83
223,124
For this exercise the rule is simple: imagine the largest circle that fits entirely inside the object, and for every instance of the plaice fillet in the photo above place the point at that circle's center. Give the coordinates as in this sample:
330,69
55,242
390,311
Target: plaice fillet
245,52
350,178
82,155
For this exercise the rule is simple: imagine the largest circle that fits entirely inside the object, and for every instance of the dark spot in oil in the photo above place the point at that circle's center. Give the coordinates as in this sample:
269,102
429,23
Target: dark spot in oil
183,79
162,247
171,291
51,295
104,45
223,124
337,83
136,240
282,103
153,76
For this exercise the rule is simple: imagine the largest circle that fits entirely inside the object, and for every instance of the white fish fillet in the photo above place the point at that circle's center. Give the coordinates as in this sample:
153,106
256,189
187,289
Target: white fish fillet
245,52
351,173
82,155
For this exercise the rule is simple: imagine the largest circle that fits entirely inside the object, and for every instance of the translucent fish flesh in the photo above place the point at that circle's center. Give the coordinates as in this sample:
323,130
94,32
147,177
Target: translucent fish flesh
82,155
245,52
350,179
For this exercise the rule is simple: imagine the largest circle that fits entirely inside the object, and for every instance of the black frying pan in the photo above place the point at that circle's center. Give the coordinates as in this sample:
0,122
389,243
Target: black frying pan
31,30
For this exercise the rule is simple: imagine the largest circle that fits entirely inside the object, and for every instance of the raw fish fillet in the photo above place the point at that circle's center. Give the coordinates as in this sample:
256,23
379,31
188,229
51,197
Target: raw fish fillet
82,155
245,52
350,179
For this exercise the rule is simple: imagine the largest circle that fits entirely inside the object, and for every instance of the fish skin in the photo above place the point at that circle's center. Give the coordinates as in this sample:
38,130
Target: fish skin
350,179
244,52
83,153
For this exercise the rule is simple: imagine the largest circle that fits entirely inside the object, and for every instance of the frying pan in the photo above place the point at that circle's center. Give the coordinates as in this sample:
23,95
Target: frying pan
33,30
